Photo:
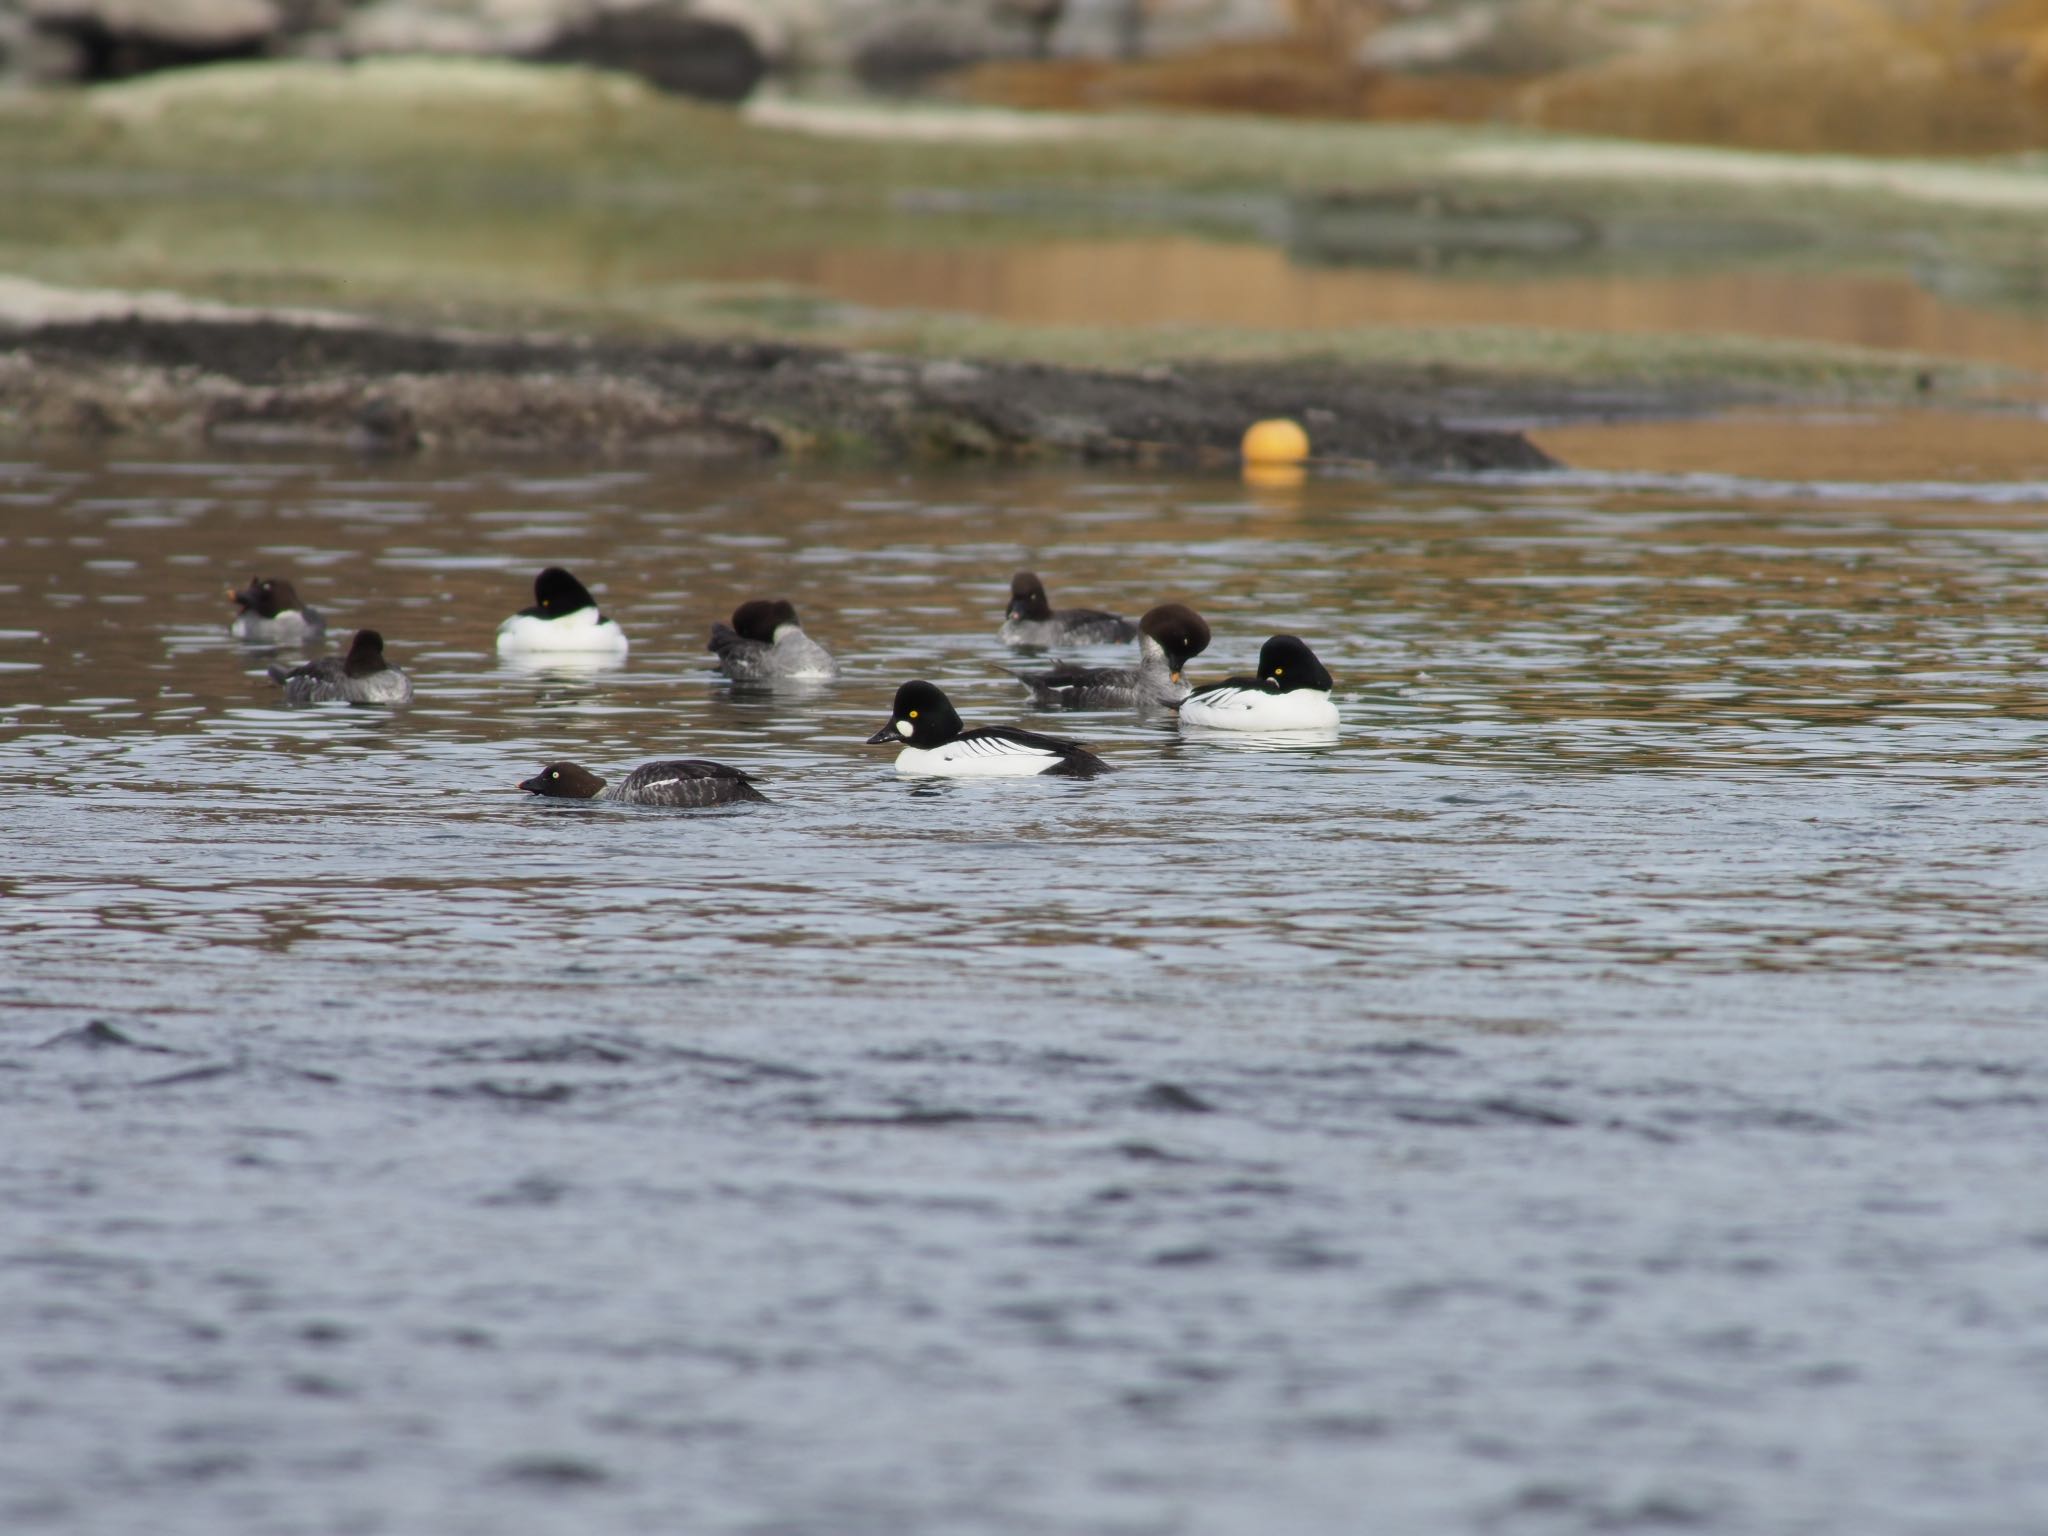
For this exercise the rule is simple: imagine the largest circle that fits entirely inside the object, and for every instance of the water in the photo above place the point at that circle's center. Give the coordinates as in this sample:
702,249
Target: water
1173,280
1603,1091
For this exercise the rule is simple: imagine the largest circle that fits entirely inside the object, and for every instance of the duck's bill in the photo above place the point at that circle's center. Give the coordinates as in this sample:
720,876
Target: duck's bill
886,733
531,786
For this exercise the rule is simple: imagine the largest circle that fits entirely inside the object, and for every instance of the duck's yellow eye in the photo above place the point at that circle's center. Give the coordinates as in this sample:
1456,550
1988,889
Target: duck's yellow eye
553,775
913,714
1279,671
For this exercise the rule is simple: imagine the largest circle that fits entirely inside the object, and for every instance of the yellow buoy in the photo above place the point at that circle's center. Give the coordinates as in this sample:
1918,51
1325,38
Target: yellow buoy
1274,477
1277,441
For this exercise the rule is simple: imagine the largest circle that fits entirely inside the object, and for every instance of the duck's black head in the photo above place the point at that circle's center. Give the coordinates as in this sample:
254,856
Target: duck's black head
365,654
1286,664
1027,598
564,781
1177,630
759,619
556,592
923,717
267,597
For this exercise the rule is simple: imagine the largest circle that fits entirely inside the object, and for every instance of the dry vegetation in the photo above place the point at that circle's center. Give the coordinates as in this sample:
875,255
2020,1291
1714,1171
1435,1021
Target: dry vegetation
1852,76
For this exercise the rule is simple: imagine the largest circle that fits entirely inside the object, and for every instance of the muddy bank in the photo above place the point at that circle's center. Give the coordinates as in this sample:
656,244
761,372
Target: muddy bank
210,375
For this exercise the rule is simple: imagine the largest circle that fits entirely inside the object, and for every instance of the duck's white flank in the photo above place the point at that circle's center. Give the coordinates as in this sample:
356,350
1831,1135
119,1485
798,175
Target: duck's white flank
975,757
586,629
1254,709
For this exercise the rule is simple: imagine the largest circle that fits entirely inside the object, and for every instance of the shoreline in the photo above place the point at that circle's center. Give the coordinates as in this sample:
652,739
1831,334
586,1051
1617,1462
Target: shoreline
155,368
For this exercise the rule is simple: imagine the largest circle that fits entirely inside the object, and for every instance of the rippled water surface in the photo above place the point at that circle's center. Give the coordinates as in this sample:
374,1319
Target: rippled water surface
1604,1090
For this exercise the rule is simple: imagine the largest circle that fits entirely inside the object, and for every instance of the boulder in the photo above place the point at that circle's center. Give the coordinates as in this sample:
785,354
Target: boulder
666,45
674,44
485,28
116,39
904,48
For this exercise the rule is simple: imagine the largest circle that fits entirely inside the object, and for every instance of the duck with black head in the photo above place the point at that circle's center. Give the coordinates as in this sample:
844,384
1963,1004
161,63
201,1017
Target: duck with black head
1031,619
925,725
564,618
766,643
362,676
1290,693
269,612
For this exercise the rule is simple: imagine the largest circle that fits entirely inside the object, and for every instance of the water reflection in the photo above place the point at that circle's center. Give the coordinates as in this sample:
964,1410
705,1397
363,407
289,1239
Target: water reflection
560,664
1180,281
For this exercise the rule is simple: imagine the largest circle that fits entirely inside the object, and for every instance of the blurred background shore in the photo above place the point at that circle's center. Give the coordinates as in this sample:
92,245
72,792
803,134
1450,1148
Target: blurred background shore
1866,76
1499,211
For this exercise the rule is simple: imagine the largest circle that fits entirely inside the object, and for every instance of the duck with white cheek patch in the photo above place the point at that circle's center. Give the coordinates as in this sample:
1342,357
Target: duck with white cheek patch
678,784
935,743
1291,693
564,618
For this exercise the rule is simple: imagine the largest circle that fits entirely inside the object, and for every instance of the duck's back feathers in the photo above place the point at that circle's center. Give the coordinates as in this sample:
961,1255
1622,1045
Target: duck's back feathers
688,783
1167,636
766,643
685,783
269,610
363,676
1067,686
1031,619
1069,758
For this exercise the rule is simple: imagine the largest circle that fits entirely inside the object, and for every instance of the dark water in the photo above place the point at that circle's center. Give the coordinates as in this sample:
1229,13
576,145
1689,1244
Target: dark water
1606,1091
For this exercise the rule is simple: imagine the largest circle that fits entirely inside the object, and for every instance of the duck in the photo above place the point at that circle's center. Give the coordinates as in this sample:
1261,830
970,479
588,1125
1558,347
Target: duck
1291,693
765,642
363,676
1031,620
269,611
564,617
685,783
1168,636
925,724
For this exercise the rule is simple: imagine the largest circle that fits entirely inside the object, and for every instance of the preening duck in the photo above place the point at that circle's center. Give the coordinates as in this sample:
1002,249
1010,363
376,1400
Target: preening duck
765,643
1168,636
268,610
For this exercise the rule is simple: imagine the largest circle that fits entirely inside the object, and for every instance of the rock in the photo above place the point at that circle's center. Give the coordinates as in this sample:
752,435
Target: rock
778,28
116,39
667,46
1522,37
905,48
474,27
673,44
109,365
